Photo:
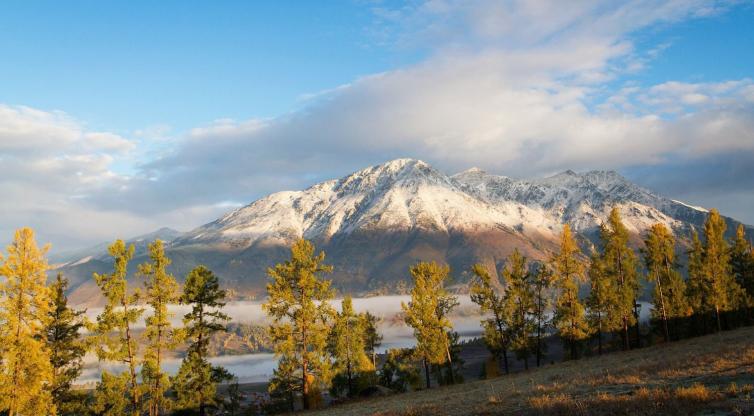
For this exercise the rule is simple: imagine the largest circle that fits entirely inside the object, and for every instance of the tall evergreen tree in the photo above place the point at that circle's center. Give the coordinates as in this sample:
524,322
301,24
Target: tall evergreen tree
620,265
742,263
196,382
542,280
569,317
298,304
372,337
722,290
602,301
160,290
659,256
66,347
427,314
519,301
25,368
347,347
484,292
120,313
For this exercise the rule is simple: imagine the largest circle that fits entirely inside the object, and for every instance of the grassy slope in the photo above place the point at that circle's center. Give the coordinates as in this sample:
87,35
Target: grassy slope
712,375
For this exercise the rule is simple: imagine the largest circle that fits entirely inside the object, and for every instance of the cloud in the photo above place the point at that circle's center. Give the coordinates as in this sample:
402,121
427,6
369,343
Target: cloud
513,87
516,87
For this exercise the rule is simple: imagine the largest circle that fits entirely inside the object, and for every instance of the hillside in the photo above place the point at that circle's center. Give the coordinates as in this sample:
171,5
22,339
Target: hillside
713,374
375,222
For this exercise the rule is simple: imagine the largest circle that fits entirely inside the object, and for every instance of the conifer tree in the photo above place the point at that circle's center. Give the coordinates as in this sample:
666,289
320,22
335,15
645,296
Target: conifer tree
569,318
66,347
484,292
602,301
25,369
108,396
298,304
284,384
519,301
347,347
160,289
696,285
372,338
620,265
722,290
659,257
196,381
542,280
742,263
427,314
120,313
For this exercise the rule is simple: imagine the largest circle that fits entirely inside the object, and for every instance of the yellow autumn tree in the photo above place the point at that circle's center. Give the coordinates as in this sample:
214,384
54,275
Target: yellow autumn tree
25,369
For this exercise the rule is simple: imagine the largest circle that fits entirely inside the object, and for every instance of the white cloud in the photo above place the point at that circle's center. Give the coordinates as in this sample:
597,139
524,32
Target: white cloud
516,87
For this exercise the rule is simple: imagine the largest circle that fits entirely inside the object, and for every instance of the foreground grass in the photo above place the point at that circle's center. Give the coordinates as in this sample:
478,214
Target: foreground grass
706,375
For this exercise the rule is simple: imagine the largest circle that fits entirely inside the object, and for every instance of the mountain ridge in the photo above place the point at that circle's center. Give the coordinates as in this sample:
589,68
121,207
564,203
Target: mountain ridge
376,221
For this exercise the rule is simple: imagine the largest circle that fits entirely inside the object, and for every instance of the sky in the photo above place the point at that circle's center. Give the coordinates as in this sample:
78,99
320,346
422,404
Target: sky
118,118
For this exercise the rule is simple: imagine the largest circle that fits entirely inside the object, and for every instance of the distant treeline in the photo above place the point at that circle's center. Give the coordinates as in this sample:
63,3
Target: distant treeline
325,355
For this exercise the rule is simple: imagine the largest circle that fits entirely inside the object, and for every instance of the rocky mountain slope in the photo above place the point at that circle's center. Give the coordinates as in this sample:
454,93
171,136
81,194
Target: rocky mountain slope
375,222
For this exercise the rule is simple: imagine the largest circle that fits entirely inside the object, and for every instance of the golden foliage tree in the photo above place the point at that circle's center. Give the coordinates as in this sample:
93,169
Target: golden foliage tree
298,305
427,314
620,265
669,292
569,317
485,293
25,369
348,348
116,340
160,290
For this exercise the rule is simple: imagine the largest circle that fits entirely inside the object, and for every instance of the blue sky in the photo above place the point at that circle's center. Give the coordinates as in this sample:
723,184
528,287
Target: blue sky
170,113
130,65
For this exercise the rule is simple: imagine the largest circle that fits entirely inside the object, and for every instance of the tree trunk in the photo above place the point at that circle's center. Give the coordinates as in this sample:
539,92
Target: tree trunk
599,335
501,333
717,315
450,363
426,372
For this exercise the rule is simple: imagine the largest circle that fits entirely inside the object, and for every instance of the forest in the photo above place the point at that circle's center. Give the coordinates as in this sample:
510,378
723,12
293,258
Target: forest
328,355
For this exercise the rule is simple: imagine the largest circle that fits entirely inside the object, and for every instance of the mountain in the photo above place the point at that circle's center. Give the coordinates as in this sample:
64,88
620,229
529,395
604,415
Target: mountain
375,222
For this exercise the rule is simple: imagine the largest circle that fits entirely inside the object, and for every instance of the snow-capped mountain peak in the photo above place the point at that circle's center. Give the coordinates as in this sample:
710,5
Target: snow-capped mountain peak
409,194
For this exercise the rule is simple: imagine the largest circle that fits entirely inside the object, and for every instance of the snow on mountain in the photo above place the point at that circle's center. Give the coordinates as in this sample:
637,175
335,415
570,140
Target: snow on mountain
375,223
399,195
409,194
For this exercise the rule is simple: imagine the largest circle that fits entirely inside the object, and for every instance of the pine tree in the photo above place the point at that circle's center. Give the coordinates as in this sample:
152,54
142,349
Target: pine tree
602,301
519,301
427,314
196,381
160,290
398,373
298,304
569,318
484,293
722,290
284,384
347,347
742,263
620,265
64,342
25,369
372,338
120,313
108,396
541,283
659,257
696,285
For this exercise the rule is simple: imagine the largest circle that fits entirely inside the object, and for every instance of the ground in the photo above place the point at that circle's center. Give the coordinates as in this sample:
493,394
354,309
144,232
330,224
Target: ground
708,375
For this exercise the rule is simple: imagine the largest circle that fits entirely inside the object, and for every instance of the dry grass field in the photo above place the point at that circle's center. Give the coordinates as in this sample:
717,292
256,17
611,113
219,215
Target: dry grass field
710,375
